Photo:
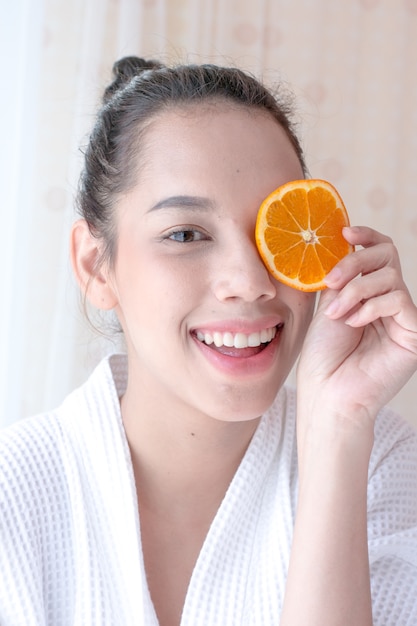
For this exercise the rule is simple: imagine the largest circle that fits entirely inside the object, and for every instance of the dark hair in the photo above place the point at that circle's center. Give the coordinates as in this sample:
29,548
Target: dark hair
140,90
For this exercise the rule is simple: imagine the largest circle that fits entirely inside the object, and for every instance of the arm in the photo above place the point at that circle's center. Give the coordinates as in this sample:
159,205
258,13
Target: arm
360,350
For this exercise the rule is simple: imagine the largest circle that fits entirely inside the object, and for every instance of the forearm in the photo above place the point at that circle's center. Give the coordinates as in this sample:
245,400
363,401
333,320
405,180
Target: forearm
328,579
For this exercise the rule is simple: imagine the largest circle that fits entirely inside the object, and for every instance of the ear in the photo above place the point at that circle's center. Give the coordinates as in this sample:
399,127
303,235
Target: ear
85,253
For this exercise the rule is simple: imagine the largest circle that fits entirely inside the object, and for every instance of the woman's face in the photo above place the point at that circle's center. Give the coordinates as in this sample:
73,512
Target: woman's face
207,327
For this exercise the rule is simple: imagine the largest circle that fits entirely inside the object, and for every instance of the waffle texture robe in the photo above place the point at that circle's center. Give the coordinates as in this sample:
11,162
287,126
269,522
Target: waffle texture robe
70,546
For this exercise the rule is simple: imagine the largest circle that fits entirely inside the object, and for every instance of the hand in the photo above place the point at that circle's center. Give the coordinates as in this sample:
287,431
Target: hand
361,347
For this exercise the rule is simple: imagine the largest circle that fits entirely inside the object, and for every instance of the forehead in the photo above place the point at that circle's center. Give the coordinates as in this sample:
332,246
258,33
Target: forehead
216,136
219,117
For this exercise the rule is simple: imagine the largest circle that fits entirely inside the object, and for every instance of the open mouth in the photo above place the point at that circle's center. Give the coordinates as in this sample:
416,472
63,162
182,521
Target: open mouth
239,344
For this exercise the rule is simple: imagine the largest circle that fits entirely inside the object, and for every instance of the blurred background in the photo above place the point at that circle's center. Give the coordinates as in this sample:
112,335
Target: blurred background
352,66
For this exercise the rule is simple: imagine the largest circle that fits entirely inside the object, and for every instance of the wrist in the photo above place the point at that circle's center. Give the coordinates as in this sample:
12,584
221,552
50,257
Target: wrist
333,446
330,419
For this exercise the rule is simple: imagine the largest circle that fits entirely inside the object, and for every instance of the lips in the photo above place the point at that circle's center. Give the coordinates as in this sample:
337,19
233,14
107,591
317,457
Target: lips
240,349
237,344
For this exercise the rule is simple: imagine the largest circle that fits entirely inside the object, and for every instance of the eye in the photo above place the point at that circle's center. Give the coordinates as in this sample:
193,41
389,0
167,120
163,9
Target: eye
186,235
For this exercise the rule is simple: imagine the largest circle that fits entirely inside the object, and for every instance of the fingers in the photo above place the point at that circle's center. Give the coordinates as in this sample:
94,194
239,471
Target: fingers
388,305
364,236
378,252
363,290
368,283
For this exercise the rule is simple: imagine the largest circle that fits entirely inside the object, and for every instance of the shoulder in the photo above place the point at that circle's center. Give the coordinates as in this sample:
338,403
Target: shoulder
36,452
46,467
31,476
27,449
33,450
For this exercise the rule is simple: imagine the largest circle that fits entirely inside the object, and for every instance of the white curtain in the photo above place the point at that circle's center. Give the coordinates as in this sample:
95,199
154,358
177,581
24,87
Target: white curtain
352,66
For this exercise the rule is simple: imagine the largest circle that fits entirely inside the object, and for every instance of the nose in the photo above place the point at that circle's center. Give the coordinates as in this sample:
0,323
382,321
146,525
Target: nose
242,274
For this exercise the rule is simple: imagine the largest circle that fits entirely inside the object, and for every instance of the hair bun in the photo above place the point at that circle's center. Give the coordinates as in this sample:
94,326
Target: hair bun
125,69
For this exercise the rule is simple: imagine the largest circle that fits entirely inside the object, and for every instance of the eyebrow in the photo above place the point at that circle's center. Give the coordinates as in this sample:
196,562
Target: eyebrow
184,202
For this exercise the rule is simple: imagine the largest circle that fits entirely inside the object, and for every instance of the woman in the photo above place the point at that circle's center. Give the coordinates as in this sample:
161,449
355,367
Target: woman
184,483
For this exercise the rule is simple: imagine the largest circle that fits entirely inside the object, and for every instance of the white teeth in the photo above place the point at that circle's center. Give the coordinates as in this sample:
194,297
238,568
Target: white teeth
218,340
240,341
208,339
237,340
264,335
254,340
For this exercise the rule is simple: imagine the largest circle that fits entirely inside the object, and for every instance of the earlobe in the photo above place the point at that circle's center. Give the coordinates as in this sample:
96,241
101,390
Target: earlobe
93,280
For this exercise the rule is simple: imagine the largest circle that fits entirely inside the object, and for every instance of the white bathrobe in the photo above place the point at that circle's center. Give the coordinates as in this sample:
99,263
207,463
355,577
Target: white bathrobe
70,546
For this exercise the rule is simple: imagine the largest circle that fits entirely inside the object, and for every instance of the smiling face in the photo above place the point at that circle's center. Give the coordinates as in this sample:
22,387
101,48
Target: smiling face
207,328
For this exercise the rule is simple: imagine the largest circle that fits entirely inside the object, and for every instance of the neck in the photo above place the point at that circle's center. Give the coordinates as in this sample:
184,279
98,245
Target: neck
182,461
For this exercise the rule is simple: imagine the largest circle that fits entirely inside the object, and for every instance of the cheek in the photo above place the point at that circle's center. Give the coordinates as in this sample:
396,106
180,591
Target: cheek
155,289
184,275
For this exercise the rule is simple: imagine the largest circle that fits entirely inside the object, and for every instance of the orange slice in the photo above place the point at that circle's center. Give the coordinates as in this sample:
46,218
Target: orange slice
299,233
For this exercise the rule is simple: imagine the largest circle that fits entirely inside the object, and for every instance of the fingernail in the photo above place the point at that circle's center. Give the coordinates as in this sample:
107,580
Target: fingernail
332,307
352,320
333,276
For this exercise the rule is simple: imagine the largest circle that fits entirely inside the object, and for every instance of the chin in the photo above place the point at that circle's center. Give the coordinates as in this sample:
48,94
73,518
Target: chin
244,405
